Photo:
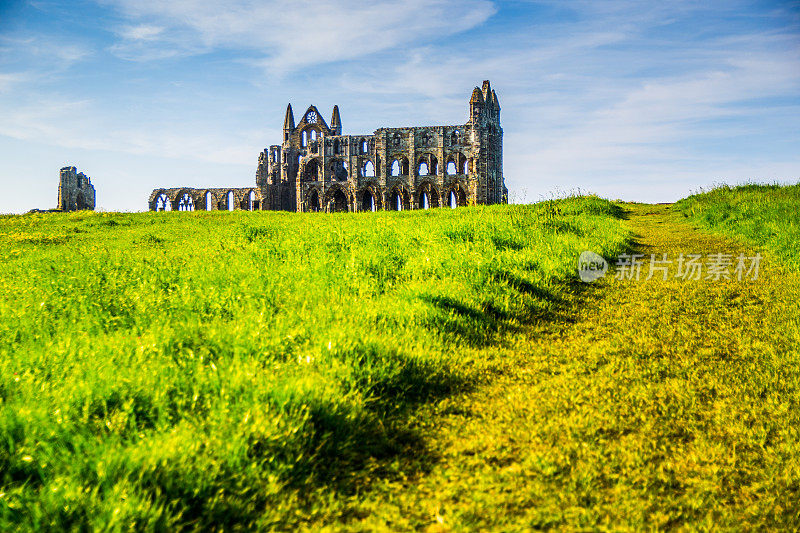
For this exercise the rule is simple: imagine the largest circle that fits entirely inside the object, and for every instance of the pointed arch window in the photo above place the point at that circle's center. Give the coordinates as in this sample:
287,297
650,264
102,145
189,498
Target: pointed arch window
369,170
185,203
163,203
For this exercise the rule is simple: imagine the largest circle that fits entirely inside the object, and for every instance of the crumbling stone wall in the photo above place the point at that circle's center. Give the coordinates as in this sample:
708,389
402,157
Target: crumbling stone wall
316,168
75,190
217,199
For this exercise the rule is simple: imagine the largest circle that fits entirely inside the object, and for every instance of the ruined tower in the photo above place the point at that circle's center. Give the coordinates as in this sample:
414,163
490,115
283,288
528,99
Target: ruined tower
316,168
75,190
418,167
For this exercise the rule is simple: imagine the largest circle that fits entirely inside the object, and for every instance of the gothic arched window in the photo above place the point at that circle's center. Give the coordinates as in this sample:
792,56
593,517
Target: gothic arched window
163,203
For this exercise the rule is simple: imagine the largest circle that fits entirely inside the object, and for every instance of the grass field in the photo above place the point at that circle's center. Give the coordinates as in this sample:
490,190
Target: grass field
654,404
765,215
189,370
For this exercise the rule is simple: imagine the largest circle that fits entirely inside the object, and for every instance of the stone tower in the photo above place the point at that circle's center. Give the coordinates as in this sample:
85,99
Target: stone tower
75,191
317,168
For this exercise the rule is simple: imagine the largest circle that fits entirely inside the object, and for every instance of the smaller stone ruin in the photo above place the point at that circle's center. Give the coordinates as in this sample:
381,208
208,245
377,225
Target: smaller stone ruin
75,191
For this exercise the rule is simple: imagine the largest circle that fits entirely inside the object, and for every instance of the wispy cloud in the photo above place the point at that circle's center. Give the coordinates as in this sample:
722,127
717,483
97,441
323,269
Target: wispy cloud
9,79
75,124
141,32
640,108
290,35
43,50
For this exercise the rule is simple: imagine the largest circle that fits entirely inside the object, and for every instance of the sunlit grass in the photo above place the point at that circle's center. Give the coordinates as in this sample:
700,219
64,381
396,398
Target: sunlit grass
195,369
651,405
765,215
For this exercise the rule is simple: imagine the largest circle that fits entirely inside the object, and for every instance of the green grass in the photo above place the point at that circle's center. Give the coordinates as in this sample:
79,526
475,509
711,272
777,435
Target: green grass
765,215
184,370
653,405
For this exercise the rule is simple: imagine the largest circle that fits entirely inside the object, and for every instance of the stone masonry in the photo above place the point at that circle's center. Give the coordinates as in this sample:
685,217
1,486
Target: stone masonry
316,168
75,191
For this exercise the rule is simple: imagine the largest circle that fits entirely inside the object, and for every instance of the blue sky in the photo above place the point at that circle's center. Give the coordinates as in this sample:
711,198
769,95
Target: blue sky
645,101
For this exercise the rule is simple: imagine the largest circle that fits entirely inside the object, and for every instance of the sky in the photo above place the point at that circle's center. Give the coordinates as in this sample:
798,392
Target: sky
628,99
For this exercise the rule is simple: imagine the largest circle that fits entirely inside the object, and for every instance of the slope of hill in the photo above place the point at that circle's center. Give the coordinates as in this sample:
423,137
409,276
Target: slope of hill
765,215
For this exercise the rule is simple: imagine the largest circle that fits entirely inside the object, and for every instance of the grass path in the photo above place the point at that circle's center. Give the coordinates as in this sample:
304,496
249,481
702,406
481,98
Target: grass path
664,404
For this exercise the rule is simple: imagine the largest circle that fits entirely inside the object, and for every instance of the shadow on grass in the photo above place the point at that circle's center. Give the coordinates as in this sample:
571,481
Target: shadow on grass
348,451
483,323
386,443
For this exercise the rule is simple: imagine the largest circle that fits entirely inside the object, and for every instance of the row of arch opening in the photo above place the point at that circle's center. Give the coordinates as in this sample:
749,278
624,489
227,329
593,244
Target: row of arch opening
208,201
427,165
398,199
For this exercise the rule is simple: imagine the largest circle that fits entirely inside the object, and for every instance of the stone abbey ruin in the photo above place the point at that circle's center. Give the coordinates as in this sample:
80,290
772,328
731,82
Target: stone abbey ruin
316,168
75,190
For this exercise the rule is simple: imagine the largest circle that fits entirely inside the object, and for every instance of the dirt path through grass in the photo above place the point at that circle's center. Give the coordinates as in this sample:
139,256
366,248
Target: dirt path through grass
666,403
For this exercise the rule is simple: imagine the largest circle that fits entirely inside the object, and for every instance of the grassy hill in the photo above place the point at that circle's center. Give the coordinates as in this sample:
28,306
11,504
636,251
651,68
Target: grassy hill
245,369
659,403
764,215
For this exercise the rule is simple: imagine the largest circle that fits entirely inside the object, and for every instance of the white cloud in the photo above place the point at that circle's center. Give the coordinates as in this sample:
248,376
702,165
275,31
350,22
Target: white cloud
44,50
615,109
291,34
75,124
9,79
141,32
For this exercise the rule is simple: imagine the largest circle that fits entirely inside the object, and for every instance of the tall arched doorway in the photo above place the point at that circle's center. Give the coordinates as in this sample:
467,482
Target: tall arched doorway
313,201
368,201
398,200
338,202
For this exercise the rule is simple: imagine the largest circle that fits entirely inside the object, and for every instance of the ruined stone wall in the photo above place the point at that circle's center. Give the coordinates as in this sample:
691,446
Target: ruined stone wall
75,190
317,168
216,199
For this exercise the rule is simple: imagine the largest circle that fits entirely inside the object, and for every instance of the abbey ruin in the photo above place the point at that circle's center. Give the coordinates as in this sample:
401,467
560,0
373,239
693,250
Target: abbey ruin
75,190
316,168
